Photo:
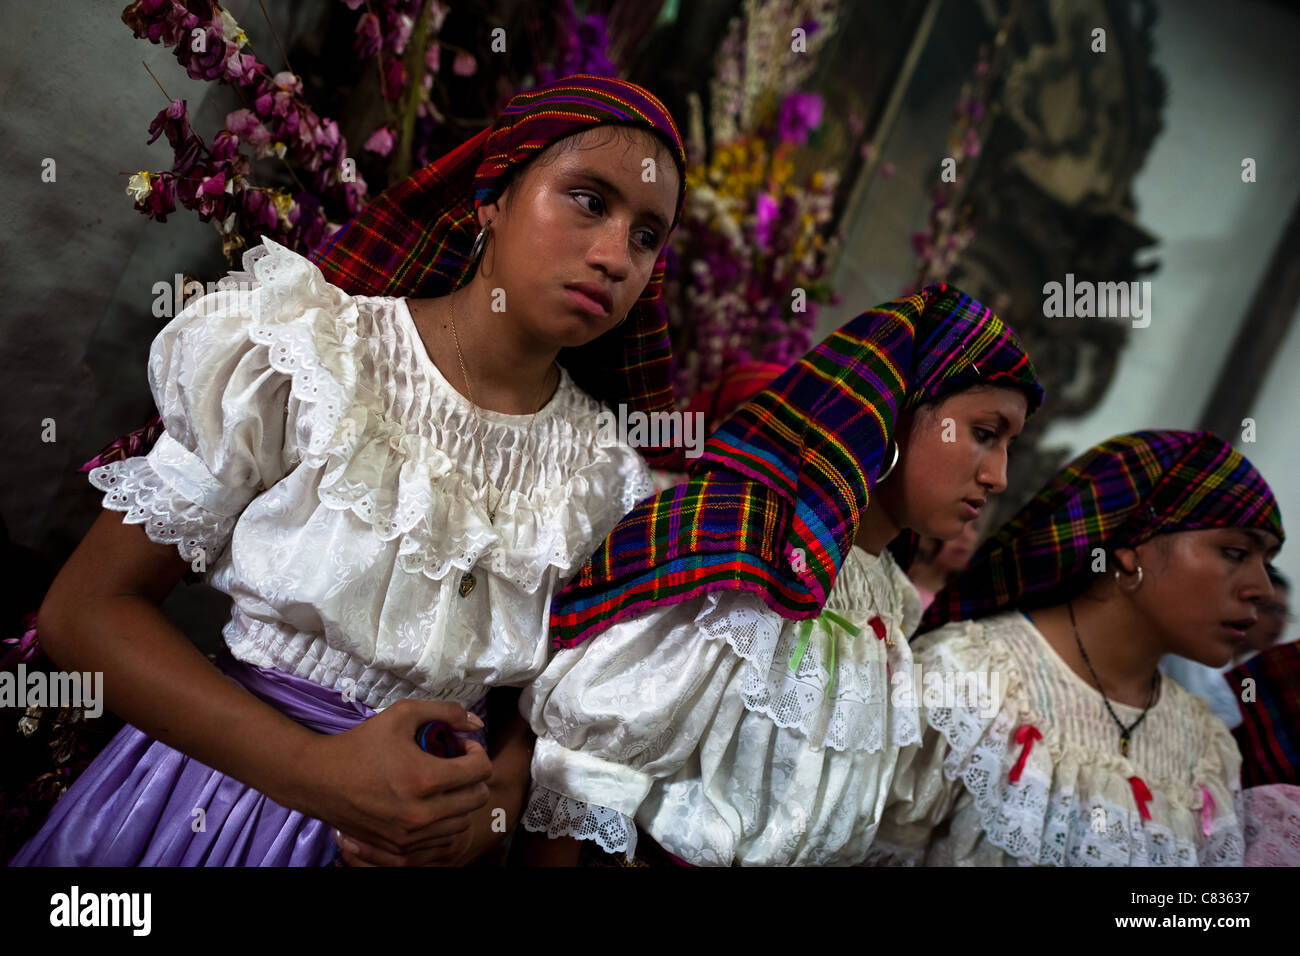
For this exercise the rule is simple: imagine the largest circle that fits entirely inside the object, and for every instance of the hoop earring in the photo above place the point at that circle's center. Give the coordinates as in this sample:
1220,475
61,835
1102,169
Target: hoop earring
480,242
1134,588
885,474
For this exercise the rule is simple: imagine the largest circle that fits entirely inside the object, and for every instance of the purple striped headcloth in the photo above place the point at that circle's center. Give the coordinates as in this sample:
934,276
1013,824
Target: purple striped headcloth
1115,495
775,501
415,238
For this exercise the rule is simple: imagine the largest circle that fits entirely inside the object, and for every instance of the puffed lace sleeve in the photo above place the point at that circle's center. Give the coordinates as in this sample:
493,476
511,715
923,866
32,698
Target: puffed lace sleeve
620,711
229,375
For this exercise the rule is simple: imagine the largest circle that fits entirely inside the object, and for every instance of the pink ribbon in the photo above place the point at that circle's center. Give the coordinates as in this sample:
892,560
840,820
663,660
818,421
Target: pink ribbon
1207,810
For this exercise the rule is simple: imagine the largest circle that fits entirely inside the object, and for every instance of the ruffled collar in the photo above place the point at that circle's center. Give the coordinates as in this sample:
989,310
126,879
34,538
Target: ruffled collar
399,447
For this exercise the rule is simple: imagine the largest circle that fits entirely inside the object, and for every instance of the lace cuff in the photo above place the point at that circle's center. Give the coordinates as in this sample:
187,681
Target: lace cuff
173,496
559,816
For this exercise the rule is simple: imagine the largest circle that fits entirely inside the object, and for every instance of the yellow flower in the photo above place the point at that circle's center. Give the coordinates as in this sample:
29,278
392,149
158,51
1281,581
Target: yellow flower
140,186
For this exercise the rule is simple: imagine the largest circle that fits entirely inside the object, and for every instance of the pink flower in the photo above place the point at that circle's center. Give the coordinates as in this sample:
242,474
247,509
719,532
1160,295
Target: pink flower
380,141
801,113
21,650
394,77
765,213
464,65
368,39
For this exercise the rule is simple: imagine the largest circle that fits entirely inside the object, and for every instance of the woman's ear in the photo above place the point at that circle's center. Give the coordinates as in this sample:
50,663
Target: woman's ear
1126,559
489,210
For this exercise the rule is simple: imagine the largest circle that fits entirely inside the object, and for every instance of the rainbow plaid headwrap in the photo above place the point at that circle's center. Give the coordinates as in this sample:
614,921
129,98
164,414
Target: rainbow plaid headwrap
775,500
415,239
1117,494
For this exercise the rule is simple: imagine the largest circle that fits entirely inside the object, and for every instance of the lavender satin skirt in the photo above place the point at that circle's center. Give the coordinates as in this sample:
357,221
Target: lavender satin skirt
134,805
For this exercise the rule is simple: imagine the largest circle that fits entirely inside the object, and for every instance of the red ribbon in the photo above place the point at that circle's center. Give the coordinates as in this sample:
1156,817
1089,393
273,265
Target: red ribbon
1142,795
878,625
1025,736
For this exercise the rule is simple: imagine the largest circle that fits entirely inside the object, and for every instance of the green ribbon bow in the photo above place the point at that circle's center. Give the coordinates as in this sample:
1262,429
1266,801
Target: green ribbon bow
826,619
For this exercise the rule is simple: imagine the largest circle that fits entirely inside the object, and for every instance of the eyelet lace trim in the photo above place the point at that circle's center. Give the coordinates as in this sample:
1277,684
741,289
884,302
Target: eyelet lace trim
557,815
398,482
134,488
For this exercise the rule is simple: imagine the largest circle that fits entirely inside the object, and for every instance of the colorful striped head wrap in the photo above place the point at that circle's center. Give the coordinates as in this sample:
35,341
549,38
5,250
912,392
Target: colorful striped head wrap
1269,735
1115,495
415,239
738,384
775,500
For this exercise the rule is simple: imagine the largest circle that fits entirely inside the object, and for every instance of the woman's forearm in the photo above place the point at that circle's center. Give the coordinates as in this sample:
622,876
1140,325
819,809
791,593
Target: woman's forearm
156,679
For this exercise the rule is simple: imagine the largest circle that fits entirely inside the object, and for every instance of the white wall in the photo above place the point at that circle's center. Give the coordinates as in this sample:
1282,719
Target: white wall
1230,70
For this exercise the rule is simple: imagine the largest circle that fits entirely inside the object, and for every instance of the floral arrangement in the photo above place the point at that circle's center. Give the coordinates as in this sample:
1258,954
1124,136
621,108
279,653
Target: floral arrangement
951,225
215,180
404,40
748,262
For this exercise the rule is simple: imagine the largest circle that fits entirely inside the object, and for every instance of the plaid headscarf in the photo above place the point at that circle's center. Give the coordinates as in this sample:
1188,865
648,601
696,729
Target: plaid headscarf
776,498
1115,495
415,239
1269,735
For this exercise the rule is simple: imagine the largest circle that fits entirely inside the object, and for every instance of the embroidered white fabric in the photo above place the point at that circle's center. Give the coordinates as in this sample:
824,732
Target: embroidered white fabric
1272,815
336,485
683,719
1073,804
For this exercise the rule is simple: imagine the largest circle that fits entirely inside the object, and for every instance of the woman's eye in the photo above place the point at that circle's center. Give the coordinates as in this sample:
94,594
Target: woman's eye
586,198
647,239
984,436
1235,554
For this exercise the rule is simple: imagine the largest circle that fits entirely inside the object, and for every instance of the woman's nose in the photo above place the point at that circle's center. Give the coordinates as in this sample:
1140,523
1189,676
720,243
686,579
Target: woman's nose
993,474
609,250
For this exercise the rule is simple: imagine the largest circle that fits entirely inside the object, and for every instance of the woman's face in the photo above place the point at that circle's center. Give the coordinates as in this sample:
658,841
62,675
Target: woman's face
952,457
1200,589
575,237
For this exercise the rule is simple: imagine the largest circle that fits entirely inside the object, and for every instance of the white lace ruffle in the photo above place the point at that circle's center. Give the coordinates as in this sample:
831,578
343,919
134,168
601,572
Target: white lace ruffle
1072,806
858,713
559,816
134,488
403,484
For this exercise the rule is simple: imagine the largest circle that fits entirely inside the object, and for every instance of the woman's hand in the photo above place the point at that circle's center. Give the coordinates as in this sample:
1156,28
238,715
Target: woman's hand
378,787
511,743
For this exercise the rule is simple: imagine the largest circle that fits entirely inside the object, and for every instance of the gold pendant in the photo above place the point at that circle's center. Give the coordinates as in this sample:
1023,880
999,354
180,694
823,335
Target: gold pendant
467,583
1123,745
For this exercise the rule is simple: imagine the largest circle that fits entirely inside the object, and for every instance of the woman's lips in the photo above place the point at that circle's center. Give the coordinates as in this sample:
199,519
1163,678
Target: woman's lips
585,302
969,511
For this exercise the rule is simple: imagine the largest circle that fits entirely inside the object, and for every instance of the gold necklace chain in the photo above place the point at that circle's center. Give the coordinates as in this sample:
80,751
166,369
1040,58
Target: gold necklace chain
478,424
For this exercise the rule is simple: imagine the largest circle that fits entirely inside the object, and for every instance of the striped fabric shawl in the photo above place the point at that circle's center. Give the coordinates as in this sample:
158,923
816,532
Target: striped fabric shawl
775,501
1269,735
415,239
1119,493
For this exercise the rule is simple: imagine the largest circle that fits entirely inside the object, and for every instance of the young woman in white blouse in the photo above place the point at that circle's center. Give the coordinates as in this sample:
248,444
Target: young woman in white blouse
390,485
1051,737
725,692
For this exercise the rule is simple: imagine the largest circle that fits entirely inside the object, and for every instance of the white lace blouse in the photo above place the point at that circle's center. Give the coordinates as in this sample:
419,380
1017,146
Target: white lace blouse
691,721
325,475
958,799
